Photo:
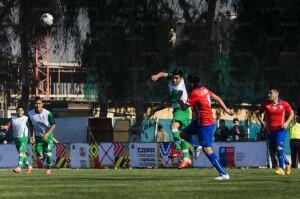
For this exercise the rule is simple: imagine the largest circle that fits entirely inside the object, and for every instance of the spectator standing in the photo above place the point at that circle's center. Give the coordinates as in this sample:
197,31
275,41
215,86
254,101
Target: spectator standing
236,131
161,135
295,141
222,132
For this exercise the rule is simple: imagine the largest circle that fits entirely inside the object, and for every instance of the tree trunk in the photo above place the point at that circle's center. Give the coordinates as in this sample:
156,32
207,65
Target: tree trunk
103,108
25,57
207,42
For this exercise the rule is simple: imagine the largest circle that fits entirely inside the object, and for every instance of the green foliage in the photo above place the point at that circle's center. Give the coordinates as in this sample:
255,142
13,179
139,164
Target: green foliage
128,41
265,48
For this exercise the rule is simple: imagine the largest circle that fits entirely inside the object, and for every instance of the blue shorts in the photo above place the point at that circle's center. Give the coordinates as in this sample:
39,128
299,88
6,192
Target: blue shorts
277,138
204,133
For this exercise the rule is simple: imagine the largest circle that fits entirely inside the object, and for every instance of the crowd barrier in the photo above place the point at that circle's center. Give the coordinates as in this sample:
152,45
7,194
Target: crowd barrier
139,155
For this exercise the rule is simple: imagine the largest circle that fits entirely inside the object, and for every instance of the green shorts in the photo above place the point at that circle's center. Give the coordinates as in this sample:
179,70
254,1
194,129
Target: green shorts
182,117
43,146
21,144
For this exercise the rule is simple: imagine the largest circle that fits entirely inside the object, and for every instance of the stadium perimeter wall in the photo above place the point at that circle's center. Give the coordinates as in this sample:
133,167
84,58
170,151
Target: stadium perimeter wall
139,155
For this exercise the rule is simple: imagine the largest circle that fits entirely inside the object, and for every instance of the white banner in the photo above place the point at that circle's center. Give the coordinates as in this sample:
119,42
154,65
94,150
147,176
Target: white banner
143,154
9,155
237,154
80,156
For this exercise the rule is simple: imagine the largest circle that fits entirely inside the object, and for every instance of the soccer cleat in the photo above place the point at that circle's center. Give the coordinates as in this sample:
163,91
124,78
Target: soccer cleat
17,170
279,171
48,172
185,163
222,177
29,170
288,169
175,153
197,152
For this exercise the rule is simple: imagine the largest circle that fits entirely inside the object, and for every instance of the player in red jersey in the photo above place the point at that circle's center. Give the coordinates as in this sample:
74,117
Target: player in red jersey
275,111
203,126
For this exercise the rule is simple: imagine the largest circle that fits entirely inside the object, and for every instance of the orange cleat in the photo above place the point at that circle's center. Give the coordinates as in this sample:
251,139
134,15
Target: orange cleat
17,170
185,163
175,154
48,172
29,170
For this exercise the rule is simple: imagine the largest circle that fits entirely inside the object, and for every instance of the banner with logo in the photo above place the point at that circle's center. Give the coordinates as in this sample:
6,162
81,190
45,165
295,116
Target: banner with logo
237,154
143,154
163,157
80,156
61,155
121,153
106,154
94,156
124,155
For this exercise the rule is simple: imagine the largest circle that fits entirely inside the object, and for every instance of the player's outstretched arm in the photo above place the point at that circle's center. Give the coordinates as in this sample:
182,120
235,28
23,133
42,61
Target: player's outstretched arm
158,76
221,103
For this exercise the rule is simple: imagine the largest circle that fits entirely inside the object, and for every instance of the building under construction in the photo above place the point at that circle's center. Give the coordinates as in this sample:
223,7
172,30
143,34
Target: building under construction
59,83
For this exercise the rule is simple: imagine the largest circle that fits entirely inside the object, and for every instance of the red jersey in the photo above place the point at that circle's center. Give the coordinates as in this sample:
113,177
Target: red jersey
201,103
275,113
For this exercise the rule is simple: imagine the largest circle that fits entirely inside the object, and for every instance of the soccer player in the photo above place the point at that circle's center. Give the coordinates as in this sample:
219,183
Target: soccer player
178,94
203,126
275,111
43,124
19,125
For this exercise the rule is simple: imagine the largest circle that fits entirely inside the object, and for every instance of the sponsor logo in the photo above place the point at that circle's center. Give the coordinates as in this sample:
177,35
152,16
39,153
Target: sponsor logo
82,151
226,156
146,150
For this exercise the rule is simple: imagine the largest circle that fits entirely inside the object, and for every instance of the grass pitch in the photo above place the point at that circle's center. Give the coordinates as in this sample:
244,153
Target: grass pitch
149,183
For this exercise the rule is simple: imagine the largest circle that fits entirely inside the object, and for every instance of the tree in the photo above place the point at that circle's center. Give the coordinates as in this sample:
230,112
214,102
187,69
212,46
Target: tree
124,47
27,30
265,49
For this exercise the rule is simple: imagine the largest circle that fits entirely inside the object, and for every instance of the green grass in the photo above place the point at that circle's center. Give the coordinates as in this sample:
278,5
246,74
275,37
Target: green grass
149,183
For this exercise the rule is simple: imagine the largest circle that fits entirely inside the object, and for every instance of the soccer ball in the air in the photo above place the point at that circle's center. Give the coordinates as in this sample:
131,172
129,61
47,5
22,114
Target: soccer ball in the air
46,20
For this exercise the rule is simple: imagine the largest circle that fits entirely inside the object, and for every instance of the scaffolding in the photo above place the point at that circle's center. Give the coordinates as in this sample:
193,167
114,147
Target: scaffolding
42,73
60,81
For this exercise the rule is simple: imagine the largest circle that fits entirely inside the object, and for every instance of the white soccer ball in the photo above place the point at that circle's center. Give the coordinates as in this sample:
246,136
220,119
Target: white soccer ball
46,20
